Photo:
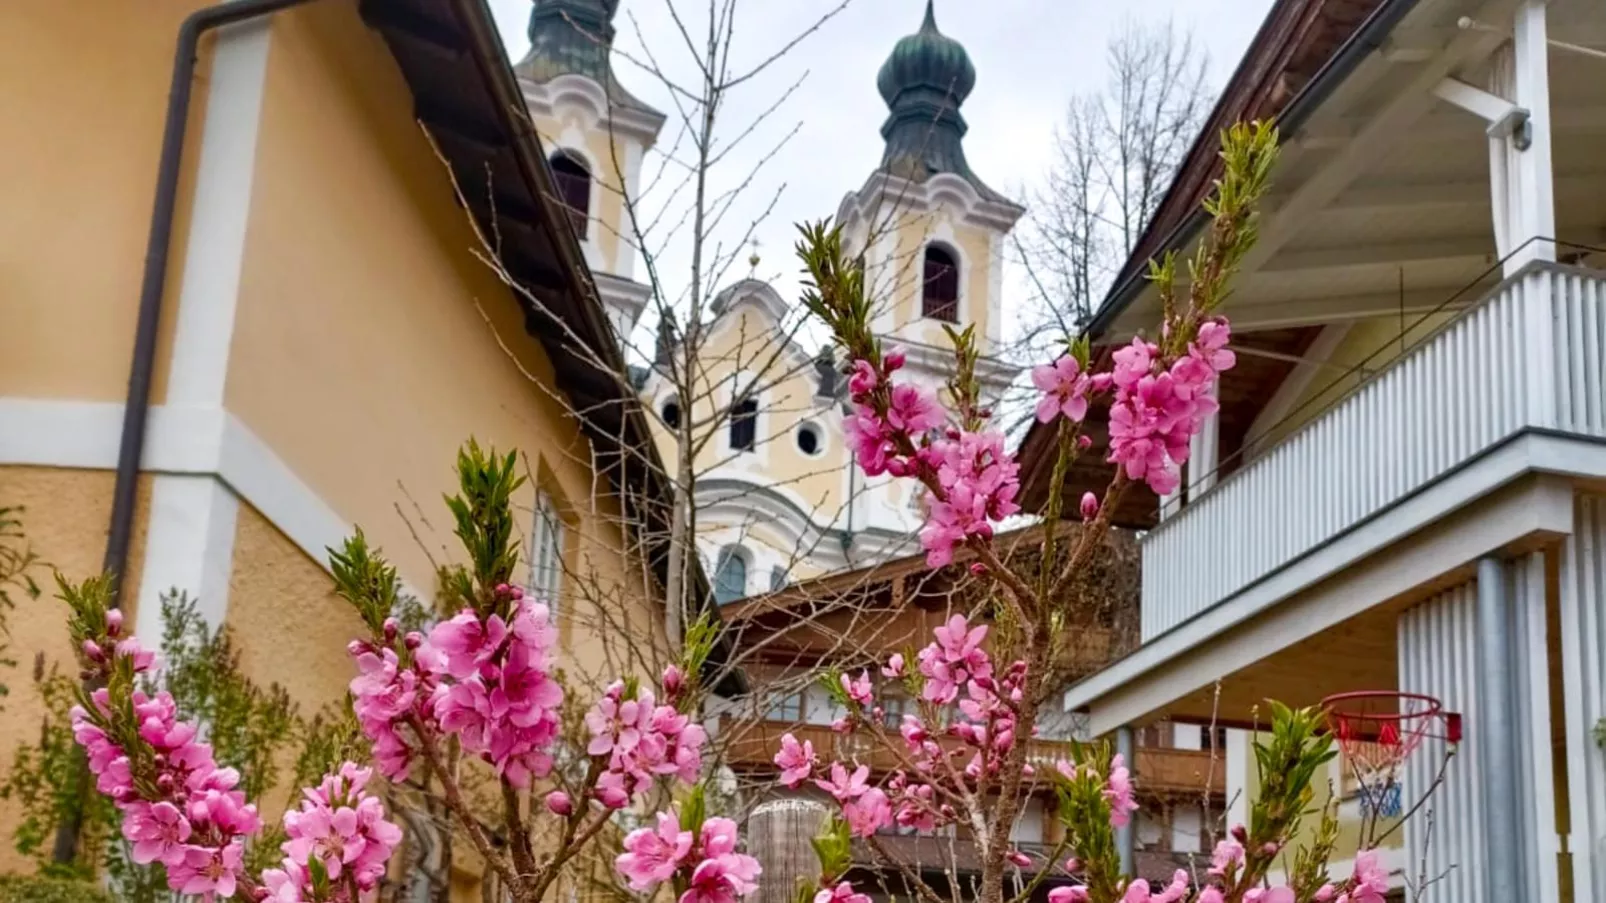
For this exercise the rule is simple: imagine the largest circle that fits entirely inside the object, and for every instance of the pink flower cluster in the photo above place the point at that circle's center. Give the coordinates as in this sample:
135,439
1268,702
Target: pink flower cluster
1137,891
707,860
503,703
344,828
865,808
485,679
641,739
899,429
1370,883
1156,411
179,808
953,659
840,892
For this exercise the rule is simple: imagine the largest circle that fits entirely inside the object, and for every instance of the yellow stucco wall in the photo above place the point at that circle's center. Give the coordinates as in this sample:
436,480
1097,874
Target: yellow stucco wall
366,344
65,526
79,148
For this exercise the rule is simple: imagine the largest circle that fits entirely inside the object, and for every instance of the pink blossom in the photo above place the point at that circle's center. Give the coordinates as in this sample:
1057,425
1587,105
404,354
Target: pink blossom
559,804
1324,893
845,786
862,378
1281,894
1119,791
979,483
722,879
207,871
868,437
1064,387
343,827
1211,895
841,892
1228,856
913,411
158,832
674,680
868,812
467,642
1138,891
652,855
796,761
954,658
1075,893
1370,883
858,689
893,669
894,359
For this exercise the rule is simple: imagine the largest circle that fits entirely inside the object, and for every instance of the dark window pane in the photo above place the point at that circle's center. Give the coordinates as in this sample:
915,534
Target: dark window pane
572,182
730,577
744,425
939,298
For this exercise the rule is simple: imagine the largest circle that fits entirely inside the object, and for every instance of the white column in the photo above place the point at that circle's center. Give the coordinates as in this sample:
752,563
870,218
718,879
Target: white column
1583,655
190,541
1531,215
1240,773
1204,455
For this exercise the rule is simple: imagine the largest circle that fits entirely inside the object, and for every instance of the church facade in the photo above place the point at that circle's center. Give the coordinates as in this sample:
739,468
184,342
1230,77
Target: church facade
777,497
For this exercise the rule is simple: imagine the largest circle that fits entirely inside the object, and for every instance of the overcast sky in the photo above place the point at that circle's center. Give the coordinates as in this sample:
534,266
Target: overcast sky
1031,56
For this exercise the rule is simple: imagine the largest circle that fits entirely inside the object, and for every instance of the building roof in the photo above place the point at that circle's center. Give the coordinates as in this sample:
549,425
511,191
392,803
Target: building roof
575,37
924,81
1302,50
466,95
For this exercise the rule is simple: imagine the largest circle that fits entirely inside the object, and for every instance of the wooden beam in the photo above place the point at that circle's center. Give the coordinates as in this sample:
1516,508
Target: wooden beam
395,21
1391,125
1389,254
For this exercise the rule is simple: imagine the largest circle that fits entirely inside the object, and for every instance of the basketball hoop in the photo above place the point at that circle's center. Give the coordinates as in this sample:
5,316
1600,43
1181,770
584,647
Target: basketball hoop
1378,730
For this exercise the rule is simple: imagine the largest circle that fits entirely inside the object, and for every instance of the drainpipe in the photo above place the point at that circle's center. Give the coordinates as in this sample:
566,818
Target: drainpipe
1126,835
1502,859
136,410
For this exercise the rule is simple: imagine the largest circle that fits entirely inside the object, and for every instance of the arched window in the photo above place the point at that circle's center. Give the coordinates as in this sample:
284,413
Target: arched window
730,576
572,181
744,425
939,297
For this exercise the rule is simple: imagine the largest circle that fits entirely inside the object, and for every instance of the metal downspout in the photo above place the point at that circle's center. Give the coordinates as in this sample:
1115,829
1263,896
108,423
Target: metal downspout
1502,857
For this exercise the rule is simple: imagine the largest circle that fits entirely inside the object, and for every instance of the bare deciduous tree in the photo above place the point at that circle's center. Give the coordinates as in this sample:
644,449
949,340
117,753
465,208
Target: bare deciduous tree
1115,155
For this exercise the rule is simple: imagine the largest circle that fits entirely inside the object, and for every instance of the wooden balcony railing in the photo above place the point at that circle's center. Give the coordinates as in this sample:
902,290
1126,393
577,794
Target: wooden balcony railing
1159,771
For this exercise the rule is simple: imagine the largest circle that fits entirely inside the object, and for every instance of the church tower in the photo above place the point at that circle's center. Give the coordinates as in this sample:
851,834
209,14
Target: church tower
595,133
932,233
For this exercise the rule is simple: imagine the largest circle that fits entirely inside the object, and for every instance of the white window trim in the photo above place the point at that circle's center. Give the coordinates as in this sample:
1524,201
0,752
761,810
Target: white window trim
547,535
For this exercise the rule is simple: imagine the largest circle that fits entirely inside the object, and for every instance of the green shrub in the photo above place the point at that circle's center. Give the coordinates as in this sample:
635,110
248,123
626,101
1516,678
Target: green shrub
36,889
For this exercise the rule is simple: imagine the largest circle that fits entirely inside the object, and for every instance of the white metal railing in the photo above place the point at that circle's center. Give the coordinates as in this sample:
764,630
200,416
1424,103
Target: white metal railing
1532,353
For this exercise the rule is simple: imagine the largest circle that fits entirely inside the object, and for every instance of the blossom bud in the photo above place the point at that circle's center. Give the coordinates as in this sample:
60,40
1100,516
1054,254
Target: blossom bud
978,569
894,359
984,413
674,681
413,639
1240,833
842,726
1324,893
986,683
164,783
356,648
1018,859
894,666
114,622
898,467
612,797
391,629
517,593
559,804
1090,506
503,589
1270,847
92,650
1072,864
1084,442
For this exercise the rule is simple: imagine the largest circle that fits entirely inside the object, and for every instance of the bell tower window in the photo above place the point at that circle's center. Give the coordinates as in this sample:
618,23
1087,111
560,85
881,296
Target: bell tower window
939,296
572,182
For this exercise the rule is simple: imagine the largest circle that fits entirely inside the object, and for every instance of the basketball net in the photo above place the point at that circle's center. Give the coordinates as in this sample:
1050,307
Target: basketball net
1377,731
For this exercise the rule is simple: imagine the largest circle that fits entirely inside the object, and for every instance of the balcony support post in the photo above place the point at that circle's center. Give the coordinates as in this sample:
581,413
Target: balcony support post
1522,184
1126,835
1497,754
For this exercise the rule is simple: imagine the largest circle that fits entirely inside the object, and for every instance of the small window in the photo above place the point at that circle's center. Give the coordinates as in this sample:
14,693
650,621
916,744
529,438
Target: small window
572,182
809,439
744,425
546,552
730,576
788,708
671,412
893,709
777,578
939,299
1213,738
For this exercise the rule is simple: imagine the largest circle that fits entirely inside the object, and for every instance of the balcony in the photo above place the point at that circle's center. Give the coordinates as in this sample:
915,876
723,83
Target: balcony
1159,771
1526,358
